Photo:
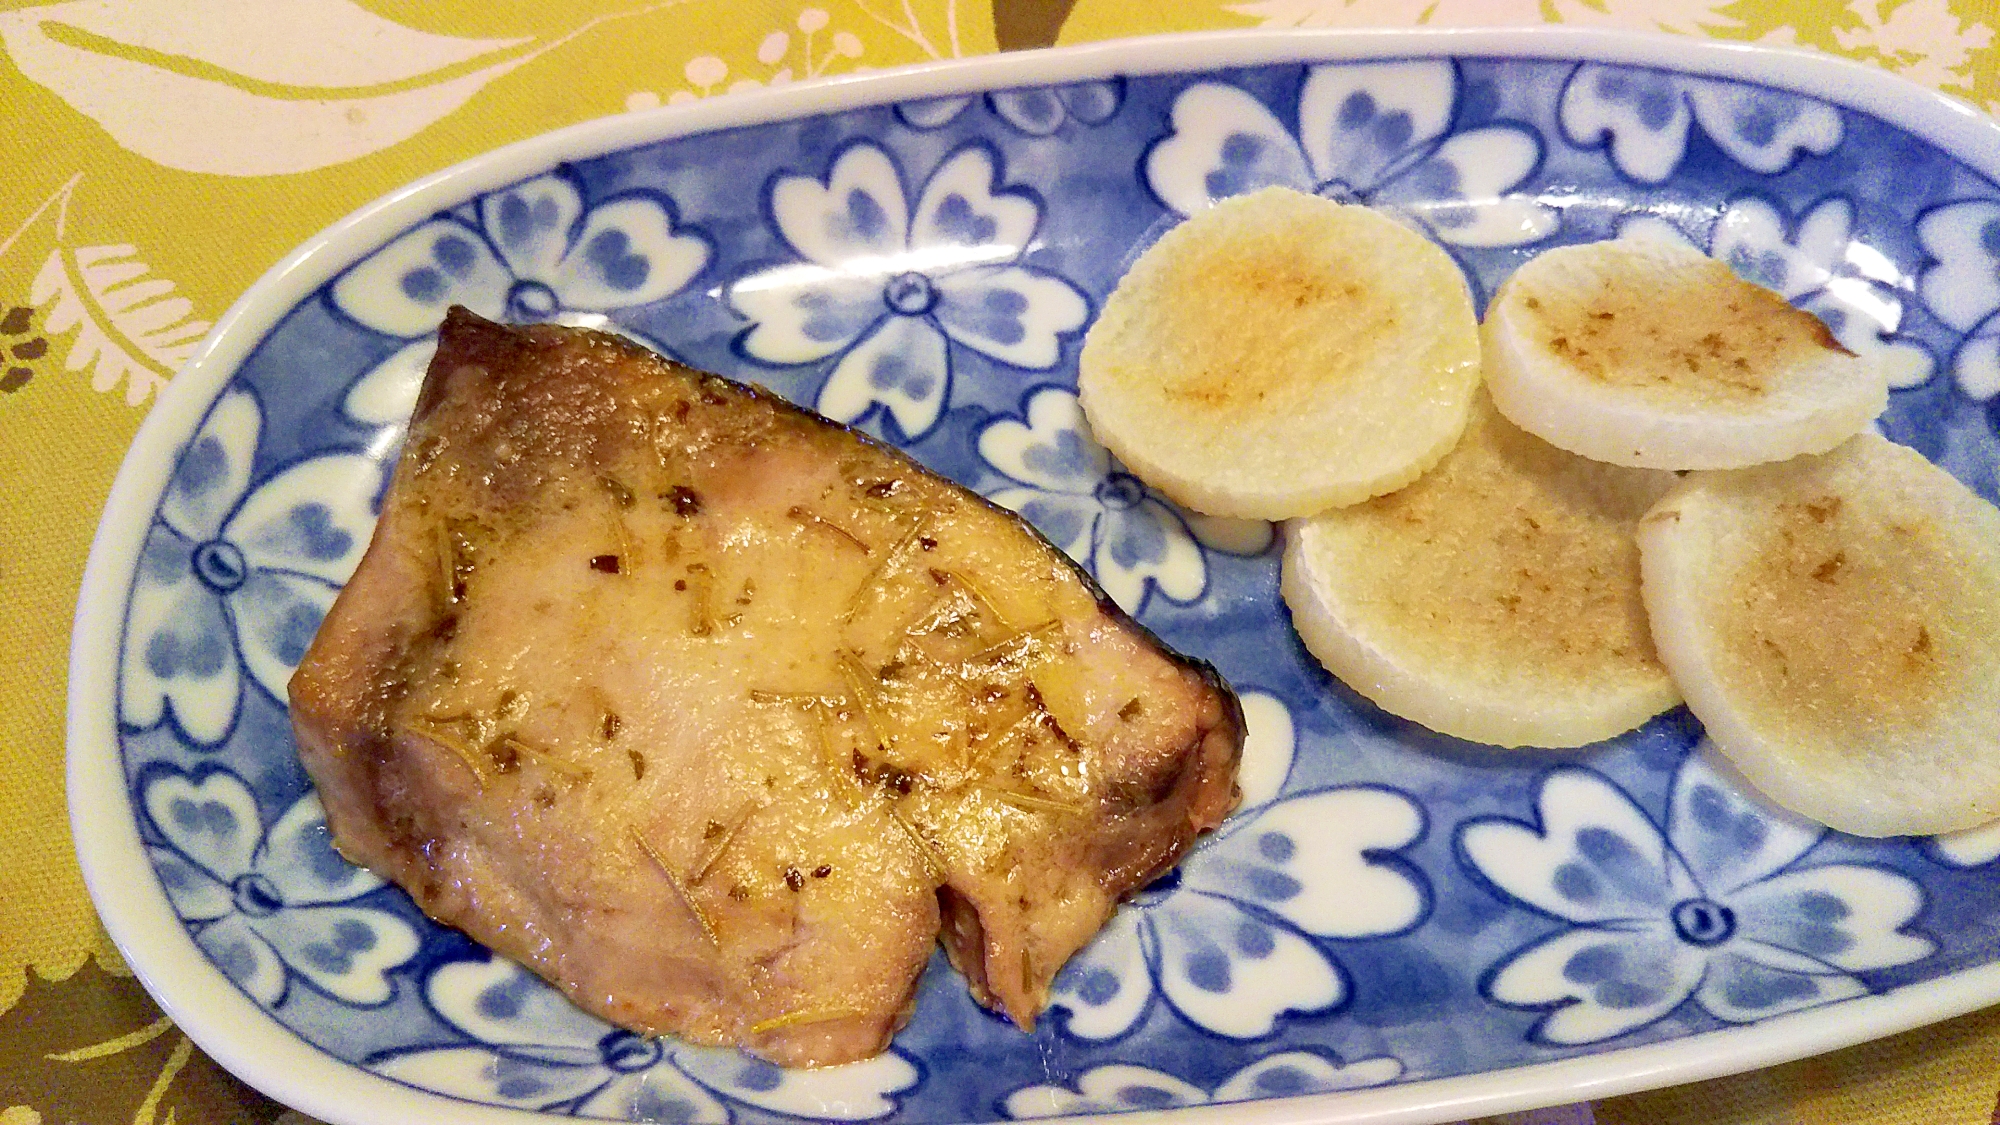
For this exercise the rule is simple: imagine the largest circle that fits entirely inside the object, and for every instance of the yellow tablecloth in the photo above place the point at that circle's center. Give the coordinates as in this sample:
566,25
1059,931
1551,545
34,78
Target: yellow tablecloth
156,156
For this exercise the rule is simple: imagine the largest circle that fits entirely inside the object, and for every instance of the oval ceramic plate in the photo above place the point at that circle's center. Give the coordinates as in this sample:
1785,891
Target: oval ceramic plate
1395,926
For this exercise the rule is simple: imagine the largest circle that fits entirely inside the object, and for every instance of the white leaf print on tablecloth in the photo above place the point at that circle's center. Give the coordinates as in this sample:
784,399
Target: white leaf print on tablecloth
708,75
1685,16
130,328
252,87
1923,40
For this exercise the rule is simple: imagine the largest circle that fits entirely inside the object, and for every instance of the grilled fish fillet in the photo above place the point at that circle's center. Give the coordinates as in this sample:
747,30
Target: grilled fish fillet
718,715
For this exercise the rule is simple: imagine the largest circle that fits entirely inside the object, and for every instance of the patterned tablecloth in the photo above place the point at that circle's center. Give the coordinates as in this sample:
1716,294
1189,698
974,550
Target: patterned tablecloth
160,154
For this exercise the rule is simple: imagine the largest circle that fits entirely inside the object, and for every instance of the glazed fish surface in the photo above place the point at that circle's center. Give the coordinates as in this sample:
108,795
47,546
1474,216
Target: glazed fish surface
718,715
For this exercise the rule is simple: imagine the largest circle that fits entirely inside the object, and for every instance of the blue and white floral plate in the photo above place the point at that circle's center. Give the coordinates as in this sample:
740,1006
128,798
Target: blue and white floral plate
1395,926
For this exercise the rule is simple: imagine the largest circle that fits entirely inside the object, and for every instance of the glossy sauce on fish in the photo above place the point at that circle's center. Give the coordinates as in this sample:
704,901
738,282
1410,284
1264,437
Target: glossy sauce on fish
718,715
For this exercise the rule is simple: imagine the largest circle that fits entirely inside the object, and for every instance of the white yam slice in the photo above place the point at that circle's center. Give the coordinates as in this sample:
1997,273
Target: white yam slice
1834,622
1279,354
1650,353
1496,599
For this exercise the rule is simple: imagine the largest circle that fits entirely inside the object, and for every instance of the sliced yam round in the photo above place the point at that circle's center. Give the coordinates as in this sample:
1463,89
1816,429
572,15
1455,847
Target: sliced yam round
1279,354
1496,599
1650,353
1834,621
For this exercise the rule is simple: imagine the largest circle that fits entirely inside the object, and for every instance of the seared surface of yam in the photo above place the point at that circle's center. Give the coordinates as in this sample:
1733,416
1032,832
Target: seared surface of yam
1279,354
713,713
1654,355
1496,599
1835,624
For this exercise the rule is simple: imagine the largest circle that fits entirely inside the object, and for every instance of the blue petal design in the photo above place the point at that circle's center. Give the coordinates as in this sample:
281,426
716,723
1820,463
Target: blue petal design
344,951
203,467
1651,95
404,288
1596,858
197,653
959,222
1729,839
1225,142
1093,103
610,252
245,958
521,219
1763,129
1105,989
1617,979
1598,982
1011,313
1742,989
1037,112
504,998
1065,456
1361,125
1143,546
932,113
298,859
423,285
1058,518
179,647
994,314
1244,163
1642,113
211,820
1233,973
863,221
276,616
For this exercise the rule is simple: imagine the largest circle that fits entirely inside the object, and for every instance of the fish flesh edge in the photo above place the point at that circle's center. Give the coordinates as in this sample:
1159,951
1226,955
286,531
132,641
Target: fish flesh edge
718,715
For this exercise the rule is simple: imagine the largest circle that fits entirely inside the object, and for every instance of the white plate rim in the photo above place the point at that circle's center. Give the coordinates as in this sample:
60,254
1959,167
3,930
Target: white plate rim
252,1044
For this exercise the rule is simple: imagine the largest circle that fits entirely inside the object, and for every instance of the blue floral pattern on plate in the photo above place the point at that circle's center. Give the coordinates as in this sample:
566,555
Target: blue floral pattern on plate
271,906
531,252
1715,908
1962,288
531,1050
889,289
1374,133
1074,493
235,578
1387,906
1227,938
1644,116
1119,1088
1038,111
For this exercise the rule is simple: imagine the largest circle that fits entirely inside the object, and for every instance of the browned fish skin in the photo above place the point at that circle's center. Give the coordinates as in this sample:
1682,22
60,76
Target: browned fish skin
712,712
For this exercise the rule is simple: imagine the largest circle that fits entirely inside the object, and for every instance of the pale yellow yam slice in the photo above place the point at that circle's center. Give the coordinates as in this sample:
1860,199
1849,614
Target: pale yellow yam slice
1652,354
1496,599
1834,622
1279,354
